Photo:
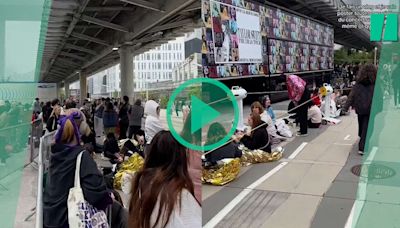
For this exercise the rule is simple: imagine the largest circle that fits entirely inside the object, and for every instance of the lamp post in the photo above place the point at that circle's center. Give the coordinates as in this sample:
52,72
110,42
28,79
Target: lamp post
375,51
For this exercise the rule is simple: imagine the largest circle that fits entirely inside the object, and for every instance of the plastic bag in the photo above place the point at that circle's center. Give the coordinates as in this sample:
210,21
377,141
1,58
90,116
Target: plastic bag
283,128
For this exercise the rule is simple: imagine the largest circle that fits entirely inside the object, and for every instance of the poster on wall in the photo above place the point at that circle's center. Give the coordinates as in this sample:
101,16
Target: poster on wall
241,38
236,34
314,57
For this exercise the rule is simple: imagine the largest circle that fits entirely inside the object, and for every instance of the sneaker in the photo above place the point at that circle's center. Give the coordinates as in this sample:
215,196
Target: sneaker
361,152
301,135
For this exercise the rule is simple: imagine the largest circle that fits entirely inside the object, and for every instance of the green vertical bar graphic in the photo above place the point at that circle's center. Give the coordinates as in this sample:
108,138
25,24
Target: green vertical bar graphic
377,22
23,28
378,202
391,28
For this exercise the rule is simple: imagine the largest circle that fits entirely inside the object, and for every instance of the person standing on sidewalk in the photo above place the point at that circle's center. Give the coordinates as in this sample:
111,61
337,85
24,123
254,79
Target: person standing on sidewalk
123,118
360,99
110,119
396,85
98,117
300,96
135,115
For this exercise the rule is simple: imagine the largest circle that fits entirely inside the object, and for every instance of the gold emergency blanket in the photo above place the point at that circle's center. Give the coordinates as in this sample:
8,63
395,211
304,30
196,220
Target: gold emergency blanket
222,174
259,156
133,164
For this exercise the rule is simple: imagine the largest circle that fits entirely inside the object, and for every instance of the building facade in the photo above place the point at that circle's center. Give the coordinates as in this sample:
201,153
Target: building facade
189,69
157,65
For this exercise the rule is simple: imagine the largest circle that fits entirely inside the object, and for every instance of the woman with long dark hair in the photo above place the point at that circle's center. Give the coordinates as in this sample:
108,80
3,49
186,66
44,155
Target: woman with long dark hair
162,192
258,139
360,98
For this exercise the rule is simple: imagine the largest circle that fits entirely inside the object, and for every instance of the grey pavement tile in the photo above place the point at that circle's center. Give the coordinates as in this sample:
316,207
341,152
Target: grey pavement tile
341,189
332,213
215,203
254,209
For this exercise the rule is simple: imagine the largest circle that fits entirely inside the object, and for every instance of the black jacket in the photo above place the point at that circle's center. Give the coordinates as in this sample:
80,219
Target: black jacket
258,140
60,179
51,124
360,98
123,114
230,150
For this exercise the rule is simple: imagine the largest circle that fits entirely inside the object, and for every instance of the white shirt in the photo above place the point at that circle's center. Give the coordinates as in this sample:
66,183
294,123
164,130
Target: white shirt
314,113
188,215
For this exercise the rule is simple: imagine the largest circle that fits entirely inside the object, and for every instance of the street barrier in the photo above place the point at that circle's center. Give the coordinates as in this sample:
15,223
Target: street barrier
43,165
34,139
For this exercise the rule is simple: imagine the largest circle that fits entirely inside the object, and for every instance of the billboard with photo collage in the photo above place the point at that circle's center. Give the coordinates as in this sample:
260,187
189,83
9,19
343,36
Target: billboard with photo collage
242,38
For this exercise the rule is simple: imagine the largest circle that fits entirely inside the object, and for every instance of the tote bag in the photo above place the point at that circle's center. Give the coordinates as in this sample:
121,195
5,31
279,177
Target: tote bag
80,213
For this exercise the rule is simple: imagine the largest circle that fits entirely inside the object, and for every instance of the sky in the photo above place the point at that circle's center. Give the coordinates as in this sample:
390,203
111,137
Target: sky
21,44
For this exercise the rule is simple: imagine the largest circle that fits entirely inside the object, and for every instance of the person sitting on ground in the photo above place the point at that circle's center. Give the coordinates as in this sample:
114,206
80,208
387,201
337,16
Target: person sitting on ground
111,149
153,123
268,108
315,97
169,200
61,174
215,133
314,116
272,132
258,138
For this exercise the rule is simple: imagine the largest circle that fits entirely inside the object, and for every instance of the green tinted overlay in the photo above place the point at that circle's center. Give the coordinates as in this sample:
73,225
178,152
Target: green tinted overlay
378,201
23,25
213,115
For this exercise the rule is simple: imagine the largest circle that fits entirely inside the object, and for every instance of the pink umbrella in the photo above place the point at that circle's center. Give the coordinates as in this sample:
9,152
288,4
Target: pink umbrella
296,87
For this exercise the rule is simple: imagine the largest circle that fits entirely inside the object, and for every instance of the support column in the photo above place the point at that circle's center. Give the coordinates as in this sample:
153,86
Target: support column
59,90
126,68
66,89
83,87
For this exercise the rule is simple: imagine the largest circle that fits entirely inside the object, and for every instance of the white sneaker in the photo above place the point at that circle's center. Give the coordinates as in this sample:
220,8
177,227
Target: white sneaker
301,135
361,152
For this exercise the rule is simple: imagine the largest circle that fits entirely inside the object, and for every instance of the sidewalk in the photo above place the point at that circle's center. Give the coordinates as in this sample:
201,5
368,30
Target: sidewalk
313,176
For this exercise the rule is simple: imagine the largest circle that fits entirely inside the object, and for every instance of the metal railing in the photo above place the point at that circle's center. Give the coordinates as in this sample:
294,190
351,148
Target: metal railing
43,165
34,139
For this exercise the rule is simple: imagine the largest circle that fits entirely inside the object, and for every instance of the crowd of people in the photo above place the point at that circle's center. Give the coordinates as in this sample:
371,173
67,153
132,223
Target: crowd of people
307,111
166,192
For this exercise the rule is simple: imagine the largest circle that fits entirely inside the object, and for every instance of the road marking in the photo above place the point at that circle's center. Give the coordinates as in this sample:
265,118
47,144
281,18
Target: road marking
222,213
343,144
298,150
362,190
347,137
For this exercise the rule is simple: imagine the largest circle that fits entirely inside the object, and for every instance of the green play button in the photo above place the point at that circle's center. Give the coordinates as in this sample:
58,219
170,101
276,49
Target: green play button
202,114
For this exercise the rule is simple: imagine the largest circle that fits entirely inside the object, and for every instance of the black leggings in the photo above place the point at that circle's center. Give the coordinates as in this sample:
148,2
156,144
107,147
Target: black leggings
396,91
362,129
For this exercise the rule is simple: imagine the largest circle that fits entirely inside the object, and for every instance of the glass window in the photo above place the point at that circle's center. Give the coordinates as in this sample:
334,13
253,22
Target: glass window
159,66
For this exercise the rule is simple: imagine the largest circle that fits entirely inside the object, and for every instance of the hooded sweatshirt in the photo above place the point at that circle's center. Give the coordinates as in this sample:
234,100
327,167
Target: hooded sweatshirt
60,179
153,124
